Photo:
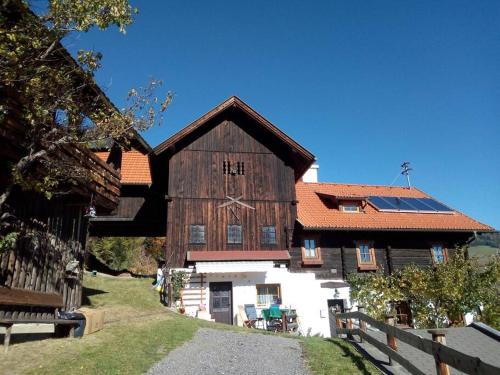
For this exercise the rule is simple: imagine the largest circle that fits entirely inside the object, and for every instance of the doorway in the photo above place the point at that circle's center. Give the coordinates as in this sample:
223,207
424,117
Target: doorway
221,302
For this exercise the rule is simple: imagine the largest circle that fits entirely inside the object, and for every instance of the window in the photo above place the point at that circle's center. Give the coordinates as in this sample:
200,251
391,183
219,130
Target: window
350,207
310,248
197,234
233,169
311,253
365,254
234,234
268,235
439,254
268,294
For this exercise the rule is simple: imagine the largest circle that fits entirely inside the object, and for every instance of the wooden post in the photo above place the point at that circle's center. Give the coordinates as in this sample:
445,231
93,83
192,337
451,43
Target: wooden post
362,323
338,322
391,340
6,340
438,335
349,325
283,321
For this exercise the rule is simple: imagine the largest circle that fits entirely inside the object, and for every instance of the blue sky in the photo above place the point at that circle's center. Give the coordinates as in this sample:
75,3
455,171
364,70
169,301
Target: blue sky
364,85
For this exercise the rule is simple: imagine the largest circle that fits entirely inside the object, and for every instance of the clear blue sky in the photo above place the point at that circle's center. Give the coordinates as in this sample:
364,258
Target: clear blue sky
364,85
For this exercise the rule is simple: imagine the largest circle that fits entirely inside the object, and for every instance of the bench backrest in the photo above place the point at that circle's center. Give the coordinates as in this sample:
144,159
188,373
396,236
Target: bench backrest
23,297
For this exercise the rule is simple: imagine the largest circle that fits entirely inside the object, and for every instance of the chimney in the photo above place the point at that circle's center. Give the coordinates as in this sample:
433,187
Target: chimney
311,174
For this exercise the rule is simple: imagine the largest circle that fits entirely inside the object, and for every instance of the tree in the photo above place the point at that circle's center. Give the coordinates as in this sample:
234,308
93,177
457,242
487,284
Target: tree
440,295
61,104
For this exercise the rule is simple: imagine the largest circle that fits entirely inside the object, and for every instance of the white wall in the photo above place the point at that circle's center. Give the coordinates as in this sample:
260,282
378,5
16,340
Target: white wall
311,174
299,291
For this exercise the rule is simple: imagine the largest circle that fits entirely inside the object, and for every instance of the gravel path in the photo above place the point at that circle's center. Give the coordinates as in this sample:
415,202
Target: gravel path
225,352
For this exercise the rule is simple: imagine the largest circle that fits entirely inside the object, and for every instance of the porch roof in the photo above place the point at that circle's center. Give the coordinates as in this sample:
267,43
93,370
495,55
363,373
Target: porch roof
234,267
233,255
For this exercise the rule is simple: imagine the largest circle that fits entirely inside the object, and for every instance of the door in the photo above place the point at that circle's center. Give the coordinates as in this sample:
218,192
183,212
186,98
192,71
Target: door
221,302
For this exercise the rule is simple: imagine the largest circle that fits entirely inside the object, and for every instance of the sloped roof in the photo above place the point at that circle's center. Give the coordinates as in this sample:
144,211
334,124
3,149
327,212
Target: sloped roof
314,213
135,168
301,157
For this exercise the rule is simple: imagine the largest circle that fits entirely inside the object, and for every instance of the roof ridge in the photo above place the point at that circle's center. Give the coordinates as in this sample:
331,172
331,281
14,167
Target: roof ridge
359,184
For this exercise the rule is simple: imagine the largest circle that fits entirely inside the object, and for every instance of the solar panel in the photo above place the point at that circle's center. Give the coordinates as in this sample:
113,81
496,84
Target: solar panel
436,205
418,204
399,204
405,204
381,204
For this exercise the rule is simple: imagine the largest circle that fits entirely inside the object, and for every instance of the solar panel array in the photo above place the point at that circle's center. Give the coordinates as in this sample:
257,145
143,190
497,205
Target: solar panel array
404,204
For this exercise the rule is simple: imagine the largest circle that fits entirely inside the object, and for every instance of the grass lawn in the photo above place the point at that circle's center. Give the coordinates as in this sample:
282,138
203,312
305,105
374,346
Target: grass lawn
139,332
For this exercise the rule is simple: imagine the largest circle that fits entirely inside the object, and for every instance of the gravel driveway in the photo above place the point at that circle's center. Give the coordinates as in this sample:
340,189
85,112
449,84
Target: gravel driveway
225,352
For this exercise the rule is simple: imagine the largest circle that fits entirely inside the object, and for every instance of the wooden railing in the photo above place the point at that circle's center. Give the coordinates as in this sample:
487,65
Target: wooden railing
444,356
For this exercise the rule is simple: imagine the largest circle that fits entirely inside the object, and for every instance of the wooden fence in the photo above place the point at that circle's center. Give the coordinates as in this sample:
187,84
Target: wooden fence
444,355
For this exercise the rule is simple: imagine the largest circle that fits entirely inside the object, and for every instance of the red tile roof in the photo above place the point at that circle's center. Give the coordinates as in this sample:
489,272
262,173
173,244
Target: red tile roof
135,168
193,256
103,155
313,213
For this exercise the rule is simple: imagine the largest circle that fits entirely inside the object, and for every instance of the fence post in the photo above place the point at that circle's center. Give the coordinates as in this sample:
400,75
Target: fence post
338,322
391,340
349,325
362,323
438,335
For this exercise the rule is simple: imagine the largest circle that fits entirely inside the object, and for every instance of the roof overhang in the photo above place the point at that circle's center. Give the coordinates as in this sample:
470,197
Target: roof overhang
297,156
234,267
358,229
237,255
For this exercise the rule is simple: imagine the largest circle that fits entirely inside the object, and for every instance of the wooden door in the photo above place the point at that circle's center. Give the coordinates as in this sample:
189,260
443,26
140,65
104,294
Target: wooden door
221,302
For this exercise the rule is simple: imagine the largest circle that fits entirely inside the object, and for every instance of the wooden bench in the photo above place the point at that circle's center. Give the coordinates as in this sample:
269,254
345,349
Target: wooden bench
29,302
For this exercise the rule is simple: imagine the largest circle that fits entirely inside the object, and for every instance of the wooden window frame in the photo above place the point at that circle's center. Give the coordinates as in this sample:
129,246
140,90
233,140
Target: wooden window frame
311,261
241,234
445,253
262,236
366,266
257,286
191,242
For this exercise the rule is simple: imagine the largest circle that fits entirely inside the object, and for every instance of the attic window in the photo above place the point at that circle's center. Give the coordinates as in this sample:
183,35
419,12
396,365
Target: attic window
349,207
233,169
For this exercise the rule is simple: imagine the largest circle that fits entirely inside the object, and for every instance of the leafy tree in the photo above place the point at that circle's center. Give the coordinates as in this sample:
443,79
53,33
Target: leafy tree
61,106
440,295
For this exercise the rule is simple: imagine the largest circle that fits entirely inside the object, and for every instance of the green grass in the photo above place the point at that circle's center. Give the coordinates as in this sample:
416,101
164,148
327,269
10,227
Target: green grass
139,332
333,356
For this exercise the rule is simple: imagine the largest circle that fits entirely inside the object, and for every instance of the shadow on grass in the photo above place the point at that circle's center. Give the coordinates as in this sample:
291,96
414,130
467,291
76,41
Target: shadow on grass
88,292
356,358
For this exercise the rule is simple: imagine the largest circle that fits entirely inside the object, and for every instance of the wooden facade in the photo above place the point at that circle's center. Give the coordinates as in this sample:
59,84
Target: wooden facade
56,232
393,249
201,181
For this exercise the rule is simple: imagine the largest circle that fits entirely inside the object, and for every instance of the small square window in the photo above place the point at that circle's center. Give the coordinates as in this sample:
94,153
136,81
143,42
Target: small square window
268,235
439,254
197,234
365,255
234,234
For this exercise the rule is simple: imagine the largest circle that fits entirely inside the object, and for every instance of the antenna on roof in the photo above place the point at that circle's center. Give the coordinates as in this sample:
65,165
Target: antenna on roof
405,170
